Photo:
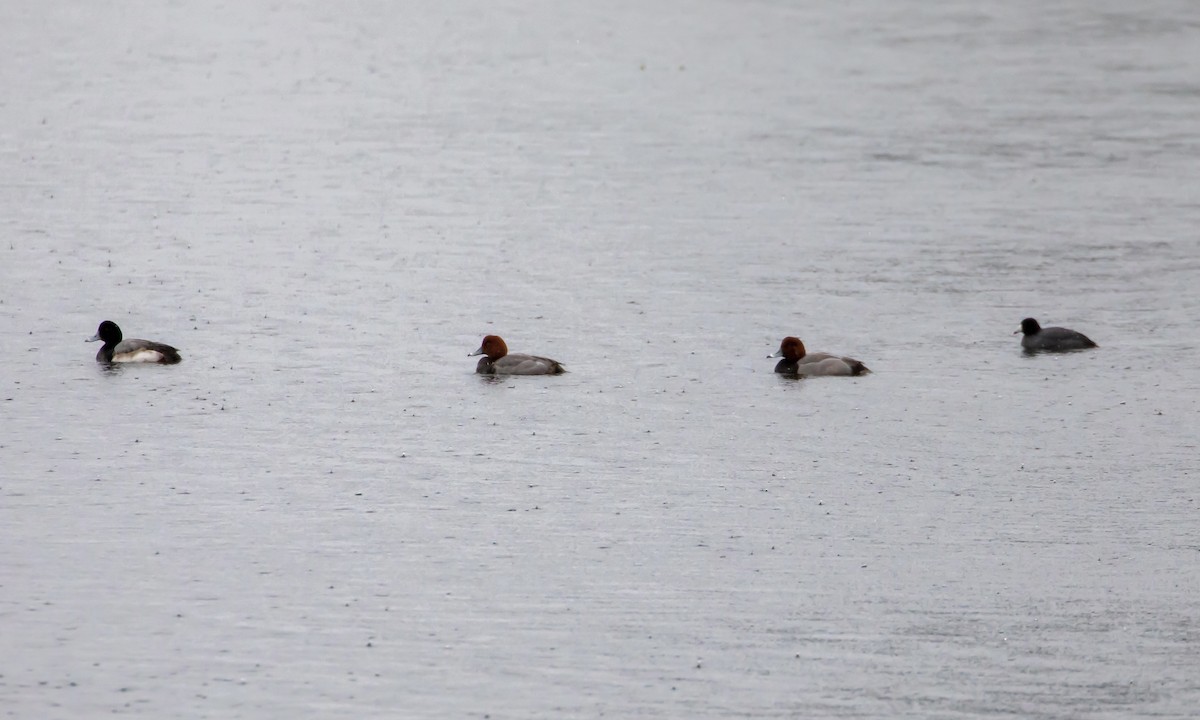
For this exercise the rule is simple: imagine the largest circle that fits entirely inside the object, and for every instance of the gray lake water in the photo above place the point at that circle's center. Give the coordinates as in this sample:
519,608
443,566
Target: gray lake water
323,512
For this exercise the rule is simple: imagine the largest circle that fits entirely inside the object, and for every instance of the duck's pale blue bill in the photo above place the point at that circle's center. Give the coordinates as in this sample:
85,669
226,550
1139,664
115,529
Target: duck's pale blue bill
93,338
777,353
477,352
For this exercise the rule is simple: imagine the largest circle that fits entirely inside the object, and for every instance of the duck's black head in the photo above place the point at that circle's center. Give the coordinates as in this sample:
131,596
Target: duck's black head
108,332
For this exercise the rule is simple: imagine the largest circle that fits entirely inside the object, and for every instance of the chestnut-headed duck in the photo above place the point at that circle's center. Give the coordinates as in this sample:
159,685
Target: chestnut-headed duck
116,350
1052,339
499,362
798,362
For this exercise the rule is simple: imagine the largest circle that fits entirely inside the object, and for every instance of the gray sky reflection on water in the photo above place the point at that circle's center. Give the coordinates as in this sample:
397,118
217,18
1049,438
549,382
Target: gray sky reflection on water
323,510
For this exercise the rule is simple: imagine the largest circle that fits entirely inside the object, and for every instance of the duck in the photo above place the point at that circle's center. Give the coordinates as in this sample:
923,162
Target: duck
117,350
497,360
1051,339
798,362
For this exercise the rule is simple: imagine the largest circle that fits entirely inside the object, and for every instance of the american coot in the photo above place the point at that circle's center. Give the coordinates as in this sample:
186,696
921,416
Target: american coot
1054,339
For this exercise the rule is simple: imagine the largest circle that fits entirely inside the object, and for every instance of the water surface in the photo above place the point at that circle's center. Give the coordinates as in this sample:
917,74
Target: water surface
322,512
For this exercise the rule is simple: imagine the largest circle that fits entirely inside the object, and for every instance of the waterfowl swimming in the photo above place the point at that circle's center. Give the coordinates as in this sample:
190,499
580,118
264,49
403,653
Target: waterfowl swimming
116,350
497,361
1053,339
798,362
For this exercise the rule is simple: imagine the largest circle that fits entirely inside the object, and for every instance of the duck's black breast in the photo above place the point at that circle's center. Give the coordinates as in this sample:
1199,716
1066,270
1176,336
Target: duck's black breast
787,366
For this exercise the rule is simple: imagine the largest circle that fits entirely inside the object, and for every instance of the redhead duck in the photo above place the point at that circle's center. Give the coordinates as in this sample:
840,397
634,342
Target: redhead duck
116,350
1052,339
499,362
797,361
